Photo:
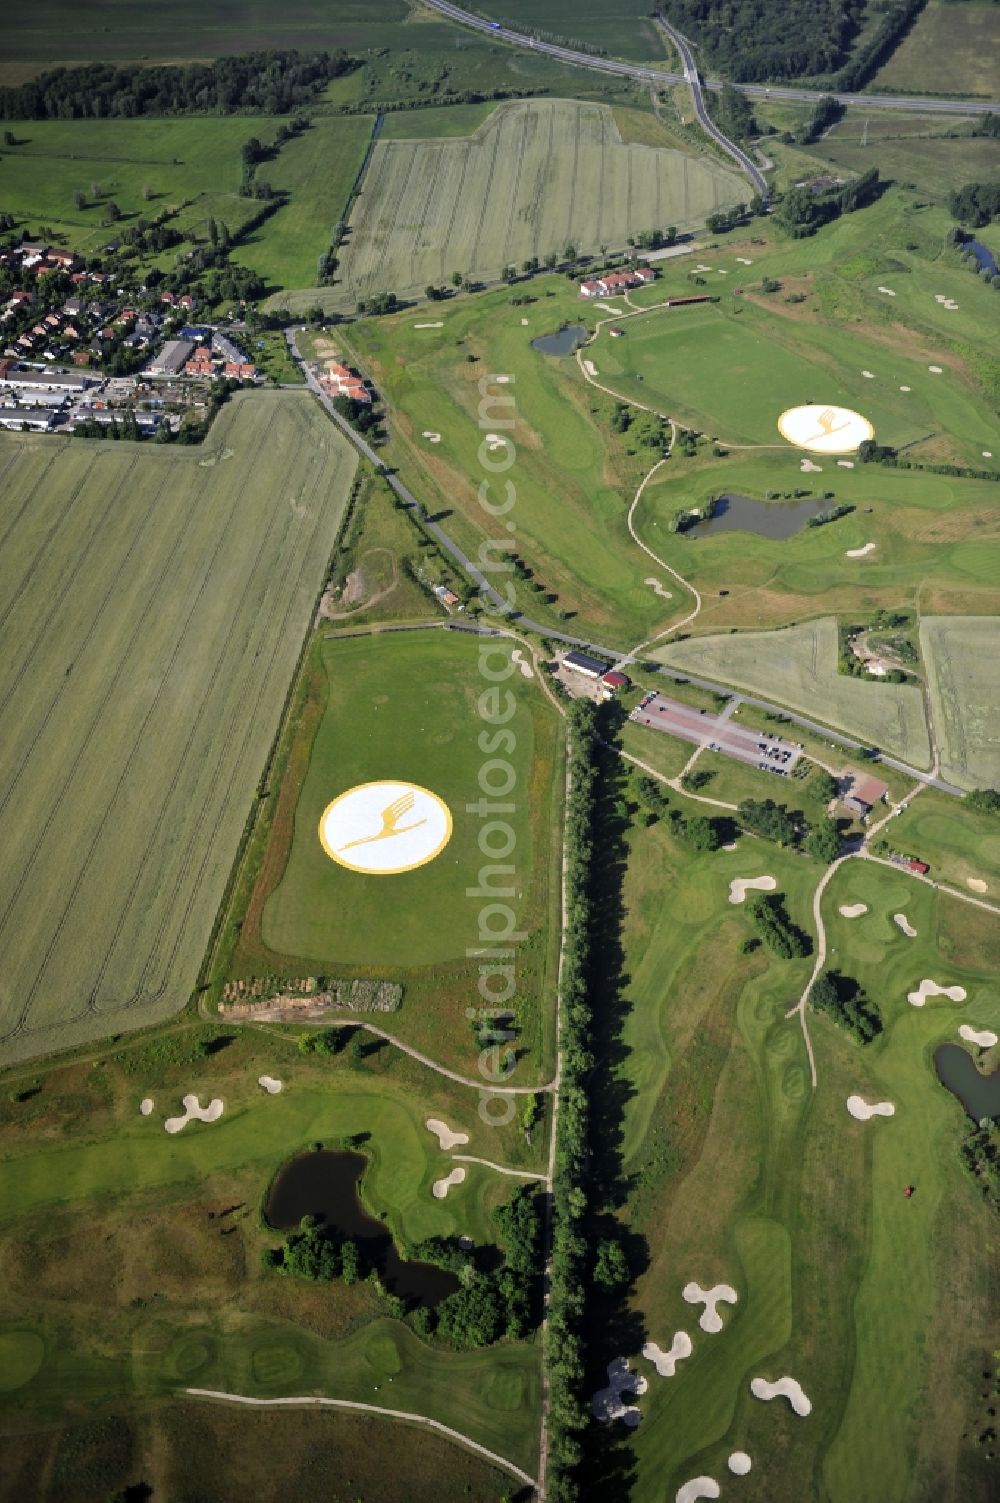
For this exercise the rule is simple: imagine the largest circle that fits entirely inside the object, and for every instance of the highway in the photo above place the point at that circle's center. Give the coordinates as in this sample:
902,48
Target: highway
646,74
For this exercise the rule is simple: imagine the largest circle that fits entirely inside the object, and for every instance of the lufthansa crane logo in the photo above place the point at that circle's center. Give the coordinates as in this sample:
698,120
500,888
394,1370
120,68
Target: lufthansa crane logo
824,430
386,827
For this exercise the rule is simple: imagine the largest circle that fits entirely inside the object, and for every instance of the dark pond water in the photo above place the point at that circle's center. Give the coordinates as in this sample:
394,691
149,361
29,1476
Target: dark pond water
562,343
325,1184
768,519
979,1094
983,255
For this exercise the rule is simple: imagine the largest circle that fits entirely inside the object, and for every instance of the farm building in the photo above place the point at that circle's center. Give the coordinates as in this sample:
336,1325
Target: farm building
863,792
617,281
582,662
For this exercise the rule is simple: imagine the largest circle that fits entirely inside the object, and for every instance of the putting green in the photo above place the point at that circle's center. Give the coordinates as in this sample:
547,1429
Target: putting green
21,1355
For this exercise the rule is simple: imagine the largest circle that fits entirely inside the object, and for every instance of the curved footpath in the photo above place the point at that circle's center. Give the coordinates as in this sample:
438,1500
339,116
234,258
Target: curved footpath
911,103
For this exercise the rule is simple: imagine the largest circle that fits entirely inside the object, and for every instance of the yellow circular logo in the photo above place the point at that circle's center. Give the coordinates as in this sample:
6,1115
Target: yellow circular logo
386,827
824,430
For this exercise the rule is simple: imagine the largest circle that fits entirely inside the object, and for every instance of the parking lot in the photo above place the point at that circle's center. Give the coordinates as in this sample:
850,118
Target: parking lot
718,733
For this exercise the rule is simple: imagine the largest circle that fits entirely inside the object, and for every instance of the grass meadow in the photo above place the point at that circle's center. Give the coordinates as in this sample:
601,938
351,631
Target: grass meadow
963,682
131,1259
738,1172
952,49
156,599
797,666
534,177
407,707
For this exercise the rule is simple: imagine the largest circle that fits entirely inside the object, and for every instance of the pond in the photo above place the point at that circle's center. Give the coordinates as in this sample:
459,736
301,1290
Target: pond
562,343
324,1184
983,255
768,519
956,1069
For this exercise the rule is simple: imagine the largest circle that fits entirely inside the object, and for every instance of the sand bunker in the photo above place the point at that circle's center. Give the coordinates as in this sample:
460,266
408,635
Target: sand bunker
888,291
739,1463
729,846
744,260
698,1487
861,552
845,464
853,910
860,1109
432,438
440,1187
904,388
194,1111
146,1105
501,380
590,367
666,1362
931,989
710,1320
935,370
784,1388
976,884
611,308
657,588
983,1038
808,468
868,375
517,656
524,323
438,325
446,1138
987,453
902,922
740,886
270,1085
607,1404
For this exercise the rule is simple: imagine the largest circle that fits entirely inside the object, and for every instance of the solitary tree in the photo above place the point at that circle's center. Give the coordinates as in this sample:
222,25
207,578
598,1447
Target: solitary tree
79,199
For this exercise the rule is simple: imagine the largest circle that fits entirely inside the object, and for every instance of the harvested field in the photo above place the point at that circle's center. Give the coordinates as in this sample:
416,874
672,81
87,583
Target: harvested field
153,602
964,682
797,667
534,177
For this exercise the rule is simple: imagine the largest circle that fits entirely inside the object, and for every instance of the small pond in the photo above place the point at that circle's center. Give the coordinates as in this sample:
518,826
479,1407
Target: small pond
324,1184
956,1069
983,255
562,343
768,519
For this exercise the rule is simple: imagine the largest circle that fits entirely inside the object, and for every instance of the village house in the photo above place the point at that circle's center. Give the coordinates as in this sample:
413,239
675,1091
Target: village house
617,281
862,793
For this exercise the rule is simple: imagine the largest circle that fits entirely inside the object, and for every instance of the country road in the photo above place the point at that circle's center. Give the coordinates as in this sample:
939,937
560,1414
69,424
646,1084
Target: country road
645,74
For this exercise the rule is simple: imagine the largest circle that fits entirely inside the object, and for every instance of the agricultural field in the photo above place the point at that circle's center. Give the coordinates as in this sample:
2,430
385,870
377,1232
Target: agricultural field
535,177
731,368
132,1259
619,30
952,49
797,666
937,163
963,676
737,1172
155,602
408,707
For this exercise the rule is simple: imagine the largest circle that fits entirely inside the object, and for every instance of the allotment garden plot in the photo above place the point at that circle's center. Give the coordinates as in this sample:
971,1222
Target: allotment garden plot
534,177
153,603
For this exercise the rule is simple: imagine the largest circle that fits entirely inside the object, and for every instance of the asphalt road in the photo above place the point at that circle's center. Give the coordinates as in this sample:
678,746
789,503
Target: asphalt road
497,601
911,103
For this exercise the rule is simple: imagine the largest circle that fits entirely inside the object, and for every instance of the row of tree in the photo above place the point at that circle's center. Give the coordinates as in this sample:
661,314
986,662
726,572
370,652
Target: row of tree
271,83
802,211
771,821
975,203
778,932
846,1002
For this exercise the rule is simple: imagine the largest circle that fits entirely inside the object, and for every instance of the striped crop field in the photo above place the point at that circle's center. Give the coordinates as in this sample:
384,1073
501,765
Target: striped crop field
535,177
962,653
153,602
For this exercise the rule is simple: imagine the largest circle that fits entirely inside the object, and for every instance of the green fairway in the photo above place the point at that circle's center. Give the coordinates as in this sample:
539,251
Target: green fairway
961,657
740,1173
534,177
797,667
957,842
140,712
732,368
931,533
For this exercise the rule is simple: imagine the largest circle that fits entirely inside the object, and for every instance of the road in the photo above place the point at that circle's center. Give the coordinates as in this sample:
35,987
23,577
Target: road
708,125
614,654
645,74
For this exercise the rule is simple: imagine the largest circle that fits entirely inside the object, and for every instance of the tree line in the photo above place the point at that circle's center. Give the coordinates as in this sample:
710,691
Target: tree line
751,40
801,211
270,83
